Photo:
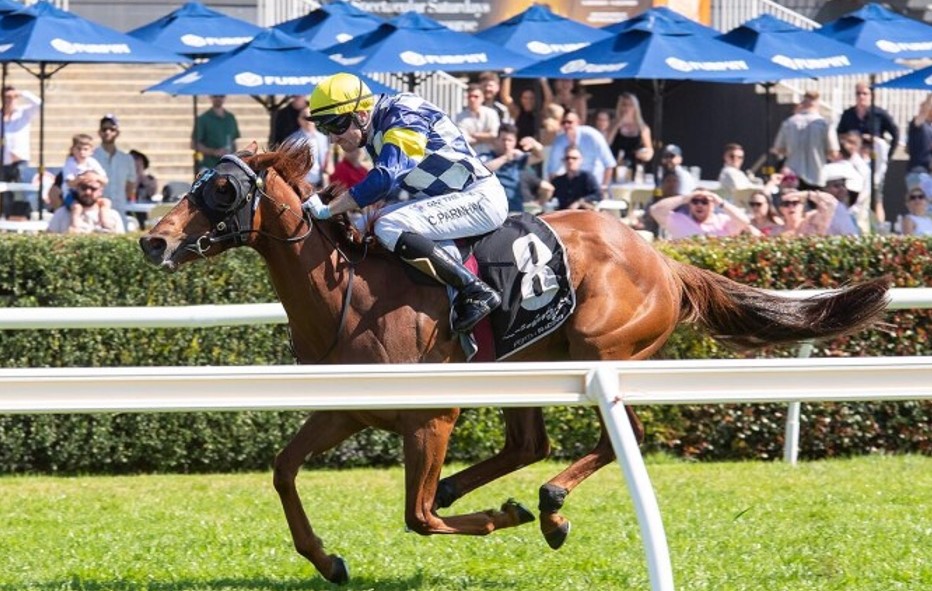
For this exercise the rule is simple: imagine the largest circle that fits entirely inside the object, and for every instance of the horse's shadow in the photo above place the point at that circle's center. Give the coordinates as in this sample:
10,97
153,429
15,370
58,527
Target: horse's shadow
310,583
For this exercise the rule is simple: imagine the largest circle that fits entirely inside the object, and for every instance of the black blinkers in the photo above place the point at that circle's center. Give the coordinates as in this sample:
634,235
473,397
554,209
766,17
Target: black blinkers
225,203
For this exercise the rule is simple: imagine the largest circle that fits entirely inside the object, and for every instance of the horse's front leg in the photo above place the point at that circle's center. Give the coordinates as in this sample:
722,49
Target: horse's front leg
526,442
426,437
320,432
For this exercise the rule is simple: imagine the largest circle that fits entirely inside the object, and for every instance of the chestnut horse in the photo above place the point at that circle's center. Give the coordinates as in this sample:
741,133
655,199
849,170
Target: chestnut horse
630,298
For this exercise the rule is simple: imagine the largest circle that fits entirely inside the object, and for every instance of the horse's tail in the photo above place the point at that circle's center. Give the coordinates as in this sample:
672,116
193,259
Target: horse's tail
748,317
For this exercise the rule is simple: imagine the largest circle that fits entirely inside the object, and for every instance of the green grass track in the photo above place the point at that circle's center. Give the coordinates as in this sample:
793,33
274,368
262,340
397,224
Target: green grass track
863,524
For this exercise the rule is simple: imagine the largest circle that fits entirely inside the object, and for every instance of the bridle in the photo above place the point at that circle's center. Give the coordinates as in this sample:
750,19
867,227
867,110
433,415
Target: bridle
232,218
231,213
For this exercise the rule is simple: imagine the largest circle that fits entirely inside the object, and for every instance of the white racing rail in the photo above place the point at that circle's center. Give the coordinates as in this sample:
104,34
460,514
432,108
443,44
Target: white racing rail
608,384
247,314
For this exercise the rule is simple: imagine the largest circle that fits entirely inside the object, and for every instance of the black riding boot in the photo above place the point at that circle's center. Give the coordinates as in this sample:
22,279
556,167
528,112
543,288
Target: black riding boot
474,299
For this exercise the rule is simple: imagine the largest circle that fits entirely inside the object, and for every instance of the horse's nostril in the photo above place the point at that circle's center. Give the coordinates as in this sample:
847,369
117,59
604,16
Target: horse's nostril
153,247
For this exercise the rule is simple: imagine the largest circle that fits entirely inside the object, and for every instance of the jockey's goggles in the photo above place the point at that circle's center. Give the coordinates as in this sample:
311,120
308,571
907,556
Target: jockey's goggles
334,124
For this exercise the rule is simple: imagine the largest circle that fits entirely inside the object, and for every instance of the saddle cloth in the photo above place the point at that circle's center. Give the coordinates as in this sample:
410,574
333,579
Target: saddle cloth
525,261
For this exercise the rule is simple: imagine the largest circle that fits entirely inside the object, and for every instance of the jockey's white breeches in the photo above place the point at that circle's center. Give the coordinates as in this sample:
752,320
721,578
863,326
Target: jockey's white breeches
478,210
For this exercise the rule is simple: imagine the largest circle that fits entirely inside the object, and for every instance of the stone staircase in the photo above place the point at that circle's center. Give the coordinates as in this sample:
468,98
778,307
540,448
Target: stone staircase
157,124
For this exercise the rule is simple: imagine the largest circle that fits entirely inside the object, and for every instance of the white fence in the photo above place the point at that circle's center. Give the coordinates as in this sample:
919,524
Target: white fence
608,384
246,314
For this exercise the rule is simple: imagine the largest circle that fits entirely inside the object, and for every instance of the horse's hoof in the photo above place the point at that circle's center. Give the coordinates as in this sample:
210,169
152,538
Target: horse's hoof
339,572
556,537
519,510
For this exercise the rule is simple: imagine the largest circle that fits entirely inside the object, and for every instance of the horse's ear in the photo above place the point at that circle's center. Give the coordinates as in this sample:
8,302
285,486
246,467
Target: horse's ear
253,147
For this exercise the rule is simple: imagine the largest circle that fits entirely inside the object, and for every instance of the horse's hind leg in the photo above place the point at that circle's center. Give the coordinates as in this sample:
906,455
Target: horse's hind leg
554,526
321,431
425,447
526,442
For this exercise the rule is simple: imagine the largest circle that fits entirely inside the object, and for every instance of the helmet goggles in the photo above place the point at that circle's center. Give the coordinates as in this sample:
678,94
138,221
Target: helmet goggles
333,124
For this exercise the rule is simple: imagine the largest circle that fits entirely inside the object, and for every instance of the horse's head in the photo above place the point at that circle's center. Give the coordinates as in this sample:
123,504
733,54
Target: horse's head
234,204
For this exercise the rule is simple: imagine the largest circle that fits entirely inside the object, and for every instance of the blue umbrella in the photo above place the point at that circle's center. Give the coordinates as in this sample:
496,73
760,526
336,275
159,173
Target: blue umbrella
196,31
272,63
46,35
8,6
662,13
413,43
658,49
337,22
538,33
882,32
917,80
806,52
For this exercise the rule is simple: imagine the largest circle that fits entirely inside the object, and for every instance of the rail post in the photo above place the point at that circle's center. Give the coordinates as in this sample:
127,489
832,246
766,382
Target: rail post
603,384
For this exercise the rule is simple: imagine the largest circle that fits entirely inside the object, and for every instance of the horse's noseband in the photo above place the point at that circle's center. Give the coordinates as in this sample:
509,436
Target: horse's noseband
222,194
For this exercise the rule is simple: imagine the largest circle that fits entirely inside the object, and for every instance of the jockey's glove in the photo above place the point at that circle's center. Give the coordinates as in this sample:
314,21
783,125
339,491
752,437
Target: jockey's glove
316,208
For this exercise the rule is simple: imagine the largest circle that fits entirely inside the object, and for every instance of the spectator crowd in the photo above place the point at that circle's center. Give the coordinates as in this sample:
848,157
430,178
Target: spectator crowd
550,150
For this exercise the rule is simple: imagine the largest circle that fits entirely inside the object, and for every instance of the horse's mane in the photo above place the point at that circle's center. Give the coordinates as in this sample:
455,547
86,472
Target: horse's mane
292,160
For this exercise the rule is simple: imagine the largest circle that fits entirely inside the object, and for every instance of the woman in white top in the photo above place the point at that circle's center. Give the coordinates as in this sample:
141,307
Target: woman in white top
917,222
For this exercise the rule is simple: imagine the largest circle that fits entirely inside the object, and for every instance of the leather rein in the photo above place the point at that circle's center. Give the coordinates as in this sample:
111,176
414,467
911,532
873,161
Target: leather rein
232,220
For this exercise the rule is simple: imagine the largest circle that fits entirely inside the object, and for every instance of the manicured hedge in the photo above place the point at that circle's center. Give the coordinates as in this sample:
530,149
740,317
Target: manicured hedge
59,271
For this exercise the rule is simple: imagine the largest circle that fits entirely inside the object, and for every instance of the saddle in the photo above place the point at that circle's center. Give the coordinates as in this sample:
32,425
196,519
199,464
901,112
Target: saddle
525,261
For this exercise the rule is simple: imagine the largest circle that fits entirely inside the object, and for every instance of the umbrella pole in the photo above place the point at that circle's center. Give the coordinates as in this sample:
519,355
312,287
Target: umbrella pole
872,125
194,152
41,135
3,137
658,127
767,169
3,118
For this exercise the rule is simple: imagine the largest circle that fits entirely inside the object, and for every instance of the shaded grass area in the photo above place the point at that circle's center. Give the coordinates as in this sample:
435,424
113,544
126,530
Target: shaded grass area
858,524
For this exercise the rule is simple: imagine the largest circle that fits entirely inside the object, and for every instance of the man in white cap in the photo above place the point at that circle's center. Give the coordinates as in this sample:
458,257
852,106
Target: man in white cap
844,183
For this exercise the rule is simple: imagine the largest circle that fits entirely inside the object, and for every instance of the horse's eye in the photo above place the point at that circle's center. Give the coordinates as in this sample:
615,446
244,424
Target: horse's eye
220,195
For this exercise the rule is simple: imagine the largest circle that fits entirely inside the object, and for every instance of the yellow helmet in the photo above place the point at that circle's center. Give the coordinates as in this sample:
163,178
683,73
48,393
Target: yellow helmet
340,94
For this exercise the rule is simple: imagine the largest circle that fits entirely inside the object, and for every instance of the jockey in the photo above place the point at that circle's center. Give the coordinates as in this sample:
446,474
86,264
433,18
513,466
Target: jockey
414,147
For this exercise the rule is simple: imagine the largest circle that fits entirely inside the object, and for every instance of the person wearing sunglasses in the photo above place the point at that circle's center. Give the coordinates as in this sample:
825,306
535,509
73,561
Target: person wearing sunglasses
797,221
879,135
916,222
763,216
702,218
597,157
416,148
88,215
